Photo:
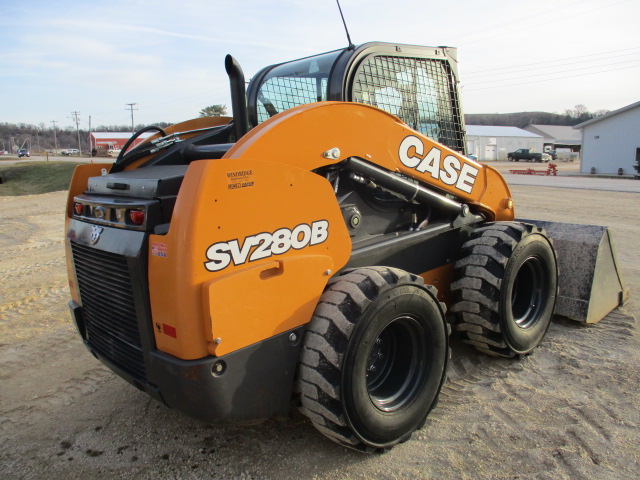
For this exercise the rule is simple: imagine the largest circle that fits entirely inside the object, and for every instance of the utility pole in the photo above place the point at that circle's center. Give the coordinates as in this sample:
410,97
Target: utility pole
90,146
55,139
130,107
76,114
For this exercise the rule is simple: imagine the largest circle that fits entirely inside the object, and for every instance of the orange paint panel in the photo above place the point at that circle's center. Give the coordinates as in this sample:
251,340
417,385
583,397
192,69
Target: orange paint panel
233,215
257,302
441,278
301,135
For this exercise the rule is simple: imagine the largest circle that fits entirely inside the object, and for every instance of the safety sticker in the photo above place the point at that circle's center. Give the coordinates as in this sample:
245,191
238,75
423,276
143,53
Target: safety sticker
159,249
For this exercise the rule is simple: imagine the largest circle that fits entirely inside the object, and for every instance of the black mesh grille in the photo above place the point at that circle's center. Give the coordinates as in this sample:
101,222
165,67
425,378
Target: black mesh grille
422,92
278,94
108,305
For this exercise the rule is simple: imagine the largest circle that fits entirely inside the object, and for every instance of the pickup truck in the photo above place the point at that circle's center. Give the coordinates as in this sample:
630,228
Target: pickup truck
528,156
70,151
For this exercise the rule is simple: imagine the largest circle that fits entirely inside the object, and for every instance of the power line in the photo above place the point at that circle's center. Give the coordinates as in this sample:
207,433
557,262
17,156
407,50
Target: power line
550,79
542,74
520,19
549,63
538,25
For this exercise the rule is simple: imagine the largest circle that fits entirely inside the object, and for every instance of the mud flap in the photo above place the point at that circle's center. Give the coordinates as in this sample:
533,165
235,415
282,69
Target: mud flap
590,281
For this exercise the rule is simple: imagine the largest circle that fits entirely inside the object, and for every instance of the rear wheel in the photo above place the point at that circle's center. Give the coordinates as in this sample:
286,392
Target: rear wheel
505,290
374,358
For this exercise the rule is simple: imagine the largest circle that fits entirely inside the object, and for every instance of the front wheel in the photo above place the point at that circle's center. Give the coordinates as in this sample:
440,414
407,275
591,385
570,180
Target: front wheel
506,287
374,358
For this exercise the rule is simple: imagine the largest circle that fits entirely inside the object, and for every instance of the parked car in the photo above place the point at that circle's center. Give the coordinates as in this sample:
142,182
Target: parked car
70,151
23,153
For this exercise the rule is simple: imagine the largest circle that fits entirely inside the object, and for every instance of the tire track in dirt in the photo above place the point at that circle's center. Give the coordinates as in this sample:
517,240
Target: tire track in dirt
25,270
500,405
33,301
30,412
15,358
11,253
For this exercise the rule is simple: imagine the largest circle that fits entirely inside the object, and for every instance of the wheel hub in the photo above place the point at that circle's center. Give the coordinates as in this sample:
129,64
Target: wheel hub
393,365
527,295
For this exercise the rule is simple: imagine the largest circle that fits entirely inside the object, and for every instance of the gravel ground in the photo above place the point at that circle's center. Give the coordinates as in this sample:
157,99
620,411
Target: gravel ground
568,411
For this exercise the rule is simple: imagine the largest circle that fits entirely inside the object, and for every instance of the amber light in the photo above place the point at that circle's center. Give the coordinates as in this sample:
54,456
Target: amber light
78,208
136,217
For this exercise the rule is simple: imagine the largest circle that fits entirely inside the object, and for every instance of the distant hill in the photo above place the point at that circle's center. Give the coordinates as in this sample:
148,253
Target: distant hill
519,119
570,117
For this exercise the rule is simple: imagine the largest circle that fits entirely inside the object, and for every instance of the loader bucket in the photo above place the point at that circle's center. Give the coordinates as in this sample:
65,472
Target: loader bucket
590,281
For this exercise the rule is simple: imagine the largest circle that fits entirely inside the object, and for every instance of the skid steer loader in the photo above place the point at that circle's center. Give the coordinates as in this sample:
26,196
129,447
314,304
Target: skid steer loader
310,247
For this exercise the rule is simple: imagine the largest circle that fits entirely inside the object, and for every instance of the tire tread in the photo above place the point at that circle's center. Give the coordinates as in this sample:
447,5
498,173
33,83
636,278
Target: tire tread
328,333
476,292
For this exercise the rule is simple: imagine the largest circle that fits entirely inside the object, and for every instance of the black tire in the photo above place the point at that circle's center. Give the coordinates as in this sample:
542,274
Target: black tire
510,159
374,358
505,288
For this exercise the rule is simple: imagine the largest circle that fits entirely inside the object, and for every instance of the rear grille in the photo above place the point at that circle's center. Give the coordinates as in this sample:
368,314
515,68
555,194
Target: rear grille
109,310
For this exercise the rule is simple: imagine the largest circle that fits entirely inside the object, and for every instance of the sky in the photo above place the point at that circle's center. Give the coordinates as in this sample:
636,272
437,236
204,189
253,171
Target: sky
167,57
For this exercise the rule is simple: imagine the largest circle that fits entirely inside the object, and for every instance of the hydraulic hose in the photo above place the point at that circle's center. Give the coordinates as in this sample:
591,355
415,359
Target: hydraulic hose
120,164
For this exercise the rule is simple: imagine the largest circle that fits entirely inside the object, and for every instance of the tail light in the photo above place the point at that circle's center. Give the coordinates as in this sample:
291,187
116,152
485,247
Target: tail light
136,217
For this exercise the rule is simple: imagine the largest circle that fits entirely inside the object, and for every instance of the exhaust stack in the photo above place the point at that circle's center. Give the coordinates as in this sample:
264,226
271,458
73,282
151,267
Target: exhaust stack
238,96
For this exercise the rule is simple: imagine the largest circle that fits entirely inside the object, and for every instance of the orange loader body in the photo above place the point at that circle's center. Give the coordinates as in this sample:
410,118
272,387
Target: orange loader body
311,247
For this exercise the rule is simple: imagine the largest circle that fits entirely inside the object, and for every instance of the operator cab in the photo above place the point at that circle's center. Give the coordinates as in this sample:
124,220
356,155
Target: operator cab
416,84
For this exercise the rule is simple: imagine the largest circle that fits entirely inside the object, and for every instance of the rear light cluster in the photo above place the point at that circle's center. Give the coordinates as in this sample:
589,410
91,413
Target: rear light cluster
113,215
136,217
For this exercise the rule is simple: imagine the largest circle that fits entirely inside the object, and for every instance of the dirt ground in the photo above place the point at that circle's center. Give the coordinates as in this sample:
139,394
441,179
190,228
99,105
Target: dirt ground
570,410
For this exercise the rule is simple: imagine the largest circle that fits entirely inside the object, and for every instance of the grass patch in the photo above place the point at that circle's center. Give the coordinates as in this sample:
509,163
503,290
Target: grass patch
35,177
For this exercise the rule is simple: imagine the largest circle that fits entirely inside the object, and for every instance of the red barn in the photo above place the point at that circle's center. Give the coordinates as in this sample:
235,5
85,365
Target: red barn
104,142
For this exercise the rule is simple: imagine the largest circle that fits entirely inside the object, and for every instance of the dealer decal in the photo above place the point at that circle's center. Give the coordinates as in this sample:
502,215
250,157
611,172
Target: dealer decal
240,179
264,245
450,170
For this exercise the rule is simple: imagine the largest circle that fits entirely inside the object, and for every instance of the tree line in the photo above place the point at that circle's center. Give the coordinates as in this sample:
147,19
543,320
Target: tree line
570,117
14,136
40,138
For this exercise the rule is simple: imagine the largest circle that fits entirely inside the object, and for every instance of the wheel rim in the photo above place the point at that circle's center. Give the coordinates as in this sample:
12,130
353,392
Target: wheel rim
395,370
527,295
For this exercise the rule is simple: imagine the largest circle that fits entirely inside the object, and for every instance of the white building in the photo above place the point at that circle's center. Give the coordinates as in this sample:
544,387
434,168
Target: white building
612,141
494,143
557,136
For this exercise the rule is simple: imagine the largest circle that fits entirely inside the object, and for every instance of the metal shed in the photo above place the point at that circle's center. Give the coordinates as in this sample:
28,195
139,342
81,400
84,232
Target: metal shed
612,141
490,143
557,136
